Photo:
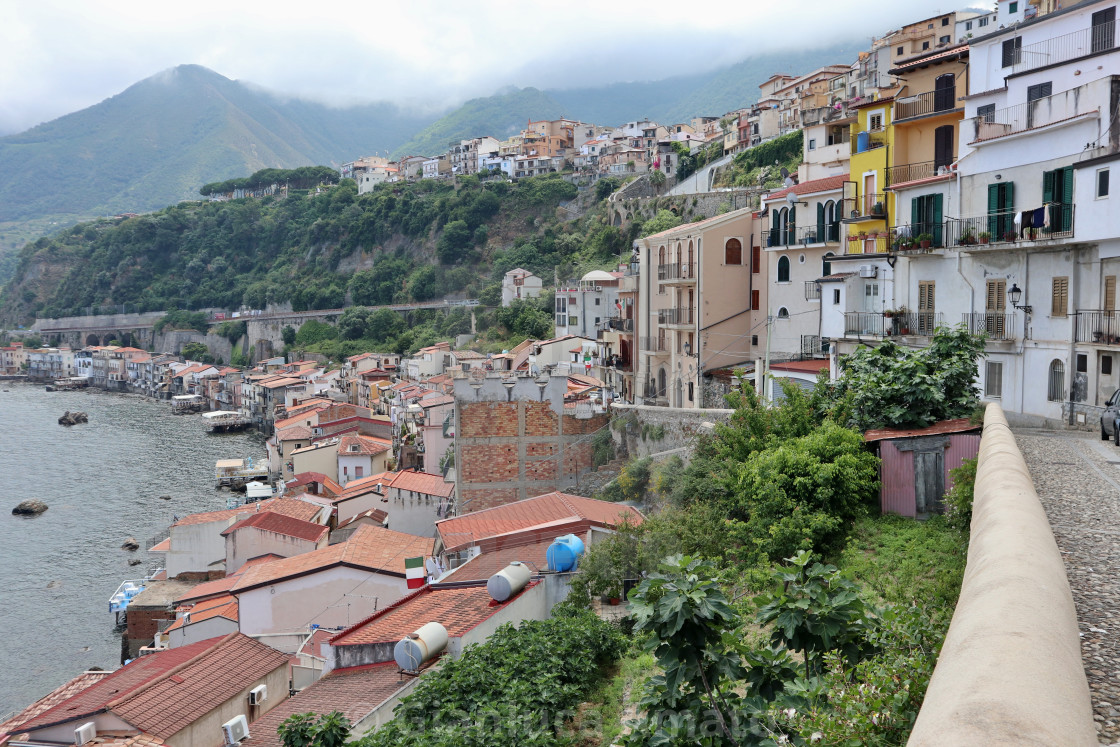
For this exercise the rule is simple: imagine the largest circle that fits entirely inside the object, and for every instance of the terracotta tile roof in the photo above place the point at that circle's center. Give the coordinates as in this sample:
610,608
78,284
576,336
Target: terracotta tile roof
356,692
458,608
485,565
164,546
811,366
224,606
281,381
835,277
178,698
828,184
293,433
366,484
220,586
468,355
367,445
289,526
285,506
689,227
375,514
462,531
436,399
50,700
374,549
423,482
122,740
960,425
306,478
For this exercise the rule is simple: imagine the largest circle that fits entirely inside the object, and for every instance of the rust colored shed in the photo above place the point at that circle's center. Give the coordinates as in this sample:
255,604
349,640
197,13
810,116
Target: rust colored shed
916,464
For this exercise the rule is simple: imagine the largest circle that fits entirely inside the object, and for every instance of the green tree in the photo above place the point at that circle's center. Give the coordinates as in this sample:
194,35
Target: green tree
288,335
308,730
354,323
197,351
657,179
385,324
663,221
454,243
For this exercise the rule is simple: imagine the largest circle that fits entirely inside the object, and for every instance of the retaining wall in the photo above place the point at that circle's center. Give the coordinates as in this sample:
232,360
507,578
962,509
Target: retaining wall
643,430
1010,672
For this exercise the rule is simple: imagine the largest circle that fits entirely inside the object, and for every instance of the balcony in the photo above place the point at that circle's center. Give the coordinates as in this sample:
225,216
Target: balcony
1100,38
677,273
1000,228
1098,326
995,324
815,234
675,317
1031,115
812,290
871,243
654,345
909,172
870,206
925,104
868,140
897,324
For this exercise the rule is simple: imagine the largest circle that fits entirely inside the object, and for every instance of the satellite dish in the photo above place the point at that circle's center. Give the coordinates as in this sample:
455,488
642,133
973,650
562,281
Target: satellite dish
785,173
791,198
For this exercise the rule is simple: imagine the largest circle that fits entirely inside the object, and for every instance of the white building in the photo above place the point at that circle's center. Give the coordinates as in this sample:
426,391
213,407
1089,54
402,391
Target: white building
584,309
520,284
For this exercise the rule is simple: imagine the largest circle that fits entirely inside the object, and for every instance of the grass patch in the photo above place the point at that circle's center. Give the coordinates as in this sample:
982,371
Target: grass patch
600,721
903,561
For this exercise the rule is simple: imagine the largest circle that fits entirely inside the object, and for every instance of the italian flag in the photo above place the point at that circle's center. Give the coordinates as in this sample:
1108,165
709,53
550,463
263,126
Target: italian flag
414,572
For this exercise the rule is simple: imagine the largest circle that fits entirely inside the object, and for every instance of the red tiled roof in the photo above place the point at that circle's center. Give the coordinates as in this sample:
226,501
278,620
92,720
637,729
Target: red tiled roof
270,521
436,400
224,606
50,700
285,506
458,608
355,692
811,366
306,478
375,549
367,445
826,184
423,482
375,514
293,433
164,546
465,530
960,425
688,227
177,699
485,565
220,586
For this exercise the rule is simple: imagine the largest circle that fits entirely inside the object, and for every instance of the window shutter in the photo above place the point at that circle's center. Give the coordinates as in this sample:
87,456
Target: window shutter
937,217
756,259
1059,297
820,221
915,214
754,300
1048,186
774,228
993,208
792,225
1110,293
942,146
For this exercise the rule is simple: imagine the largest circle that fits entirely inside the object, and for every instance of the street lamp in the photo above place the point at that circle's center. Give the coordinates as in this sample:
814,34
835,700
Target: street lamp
687,348
1015,294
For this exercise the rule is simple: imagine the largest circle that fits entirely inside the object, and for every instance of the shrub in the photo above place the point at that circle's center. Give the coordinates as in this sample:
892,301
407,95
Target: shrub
958,501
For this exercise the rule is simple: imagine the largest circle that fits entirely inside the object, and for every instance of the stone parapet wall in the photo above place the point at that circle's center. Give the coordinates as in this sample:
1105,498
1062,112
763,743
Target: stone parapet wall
642,430
1010,671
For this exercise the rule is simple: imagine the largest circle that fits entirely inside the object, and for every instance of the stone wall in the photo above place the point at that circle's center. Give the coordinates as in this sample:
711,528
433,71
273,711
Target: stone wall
691,207
518,441
643,430
1010,670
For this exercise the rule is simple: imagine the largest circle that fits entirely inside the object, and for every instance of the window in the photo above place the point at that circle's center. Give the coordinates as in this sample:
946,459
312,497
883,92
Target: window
1057,196
993,379
783,269
900,50
943,40
1059,297
983,20
875,122
1013,7
733,252
754,340
597,300
756,259
826,264
1082,363
925,45
1106,365
812,143
783,312
1001,201
968,25
754,300
1110,293
1012,48
1102,183
835,296
1104,30
690,390
945,21
986,113
926,216
1056,382
573,321
1039,91
800,259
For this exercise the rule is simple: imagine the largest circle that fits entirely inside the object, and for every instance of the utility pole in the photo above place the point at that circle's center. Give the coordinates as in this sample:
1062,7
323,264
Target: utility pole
766,362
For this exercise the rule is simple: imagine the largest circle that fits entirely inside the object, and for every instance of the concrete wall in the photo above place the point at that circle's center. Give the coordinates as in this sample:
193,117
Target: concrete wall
678,426
1010,672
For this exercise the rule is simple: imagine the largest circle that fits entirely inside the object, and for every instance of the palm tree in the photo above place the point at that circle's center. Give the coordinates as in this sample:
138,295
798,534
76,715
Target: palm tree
657,179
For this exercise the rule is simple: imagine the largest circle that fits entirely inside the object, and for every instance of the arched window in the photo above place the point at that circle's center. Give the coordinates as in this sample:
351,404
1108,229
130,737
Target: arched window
783,313
661,384
691,261
831,222
733,252
661,256
1056,386
826,265
679,255
783,269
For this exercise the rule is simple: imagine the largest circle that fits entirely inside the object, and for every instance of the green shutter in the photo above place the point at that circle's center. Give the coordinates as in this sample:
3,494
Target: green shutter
1007,204
915,215
820,221
993,208
774,228
937,218
1047,186
792,226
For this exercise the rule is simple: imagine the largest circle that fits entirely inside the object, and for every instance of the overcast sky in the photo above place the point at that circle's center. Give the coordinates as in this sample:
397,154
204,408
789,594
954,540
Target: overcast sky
59,56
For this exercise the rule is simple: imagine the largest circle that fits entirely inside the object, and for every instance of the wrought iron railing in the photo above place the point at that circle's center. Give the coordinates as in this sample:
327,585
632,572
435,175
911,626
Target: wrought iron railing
868,140
878,243
930,102
1027,116
675,316
1100,38
812,290
1098,325
677,271
864,323
997,325
812,346
908,172
817,234
654,344
1001,227
892,323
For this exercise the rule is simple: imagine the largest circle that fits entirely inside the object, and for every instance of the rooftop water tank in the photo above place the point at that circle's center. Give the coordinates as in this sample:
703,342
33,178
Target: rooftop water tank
508,581
563,554
416,648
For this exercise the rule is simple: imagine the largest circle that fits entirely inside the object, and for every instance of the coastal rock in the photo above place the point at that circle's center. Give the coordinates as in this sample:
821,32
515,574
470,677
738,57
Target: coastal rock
165,497
135,561
54,584
131,544
73,418
30,507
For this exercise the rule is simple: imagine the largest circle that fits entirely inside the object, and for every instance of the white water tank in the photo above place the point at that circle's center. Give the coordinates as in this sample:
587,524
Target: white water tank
508,581
416,648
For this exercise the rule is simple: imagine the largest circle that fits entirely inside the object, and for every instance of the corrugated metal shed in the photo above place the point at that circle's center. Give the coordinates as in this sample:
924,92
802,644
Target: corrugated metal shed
916,464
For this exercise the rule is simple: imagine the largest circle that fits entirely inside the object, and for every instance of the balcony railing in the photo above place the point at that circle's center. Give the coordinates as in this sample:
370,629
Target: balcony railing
654,344
677,271
675,316
812,346
1100,38
1099,326
864,323
1001,228
812,290
879,324
869,206
930,102
1033,114
908,172
996,325
817,234
868,140
878,244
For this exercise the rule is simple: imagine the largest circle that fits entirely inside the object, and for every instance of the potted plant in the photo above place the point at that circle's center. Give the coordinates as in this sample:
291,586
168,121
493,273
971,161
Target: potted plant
877,208
1009,236
967,239
925,240
984,237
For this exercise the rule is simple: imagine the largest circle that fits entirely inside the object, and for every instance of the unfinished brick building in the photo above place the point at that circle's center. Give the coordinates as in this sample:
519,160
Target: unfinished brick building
515,438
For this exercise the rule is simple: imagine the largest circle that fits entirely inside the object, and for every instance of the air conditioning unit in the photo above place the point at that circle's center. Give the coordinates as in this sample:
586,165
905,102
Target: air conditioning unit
598,289
236,729
258,694
868,271
84,733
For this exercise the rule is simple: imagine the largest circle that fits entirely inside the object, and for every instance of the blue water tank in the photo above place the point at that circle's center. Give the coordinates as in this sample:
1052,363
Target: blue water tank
563,554
863,141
